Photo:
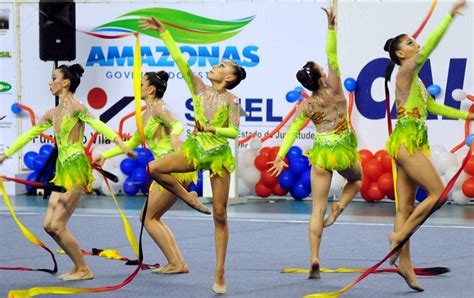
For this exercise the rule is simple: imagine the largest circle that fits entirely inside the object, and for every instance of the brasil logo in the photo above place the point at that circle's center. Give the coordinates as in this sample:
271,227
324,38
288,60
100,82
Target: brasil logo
183,26
5,87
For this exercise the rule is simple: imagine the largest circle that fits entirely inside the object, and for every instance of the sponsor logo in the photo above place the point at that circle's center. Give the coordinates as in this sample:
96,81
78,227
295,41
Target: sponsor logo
5,54
3,117
5,87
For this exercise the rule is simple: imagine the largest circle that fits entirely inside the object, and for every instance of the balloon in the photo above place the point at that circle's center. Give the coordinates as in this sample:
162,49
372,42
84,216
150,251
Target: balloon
299,89
139,175
434,90
128,165
379,154
279,191
249,157
436,149
46,149
28,159
15,108
199,184
385,183
243,188
469,168
443,161
251,177
375,193
294,151
287,180
130,187
373,169
265,151
299,192
273,152
31,177
469,140
256,144
350,84
468,187
142,157
458,94
459,198
421,194
97,180
268,180
298,165
114,186
261,162
262,191
365,184
306,178
292,96
39,162
365,155
144,187
337,183
387,163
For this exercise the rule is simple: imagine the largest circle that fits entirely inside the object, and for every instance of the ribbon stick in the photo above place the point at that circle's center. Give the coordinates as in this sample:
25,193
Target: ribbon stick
428,271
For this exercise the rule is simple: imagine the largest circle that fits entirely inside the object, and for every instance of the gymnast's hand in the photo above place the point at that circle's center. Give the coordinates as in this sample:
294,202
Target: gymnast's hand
99,160
331,17
198,127
277,166
457,7
470,116
153,24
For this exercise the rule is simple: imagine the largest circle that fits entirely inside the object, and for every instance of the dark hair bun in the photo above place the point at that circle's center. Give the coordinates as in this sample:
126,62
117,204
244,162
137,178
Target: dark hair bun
163,75
77,69
243,73
387,45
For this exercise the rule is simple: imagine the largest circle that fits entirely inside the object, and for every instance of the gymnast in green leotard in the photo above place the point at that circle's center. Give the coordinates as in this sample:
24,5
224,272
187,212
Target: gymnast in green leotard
408,143
73,170
335,145
162,133
216,113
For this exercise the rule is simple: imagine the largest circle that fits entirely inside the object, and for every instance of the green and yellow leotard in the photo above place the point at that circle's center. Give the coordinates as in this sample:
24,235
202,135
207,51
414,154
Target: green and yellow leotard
208,151
410,130
72,166
158,131
335,145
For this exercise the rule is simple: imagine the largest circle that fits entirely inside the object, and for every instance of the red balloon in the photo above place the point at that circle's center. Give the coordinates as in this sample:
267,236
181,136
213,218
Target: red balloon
374,193
387,163
365,155
391,195
268,180
373,169
469,168
365,184
279,191
365,195
379,154
262,191
261,162
385,183
265,151
468,187
273,153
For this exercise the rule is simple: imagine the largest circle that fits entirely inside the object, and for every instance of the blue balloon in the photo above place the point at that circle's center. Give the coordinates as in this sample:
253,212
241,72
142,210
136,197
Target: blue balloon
287,180
28,159
434,90
294,151
142,157
130,187
31,177
149,155
139,175
46,149
299,191
299,89
305,179
192,187
15,108
39,162
199,185
292,96
421,194
469,140
128,165
298,165
350,84
144,187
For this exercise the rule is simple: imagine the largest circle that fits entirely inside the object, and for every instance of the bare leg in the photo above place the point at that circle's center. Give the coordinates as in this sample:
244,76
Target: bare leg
161,170
220,196
350,190
60,209
406,189
320,183
420,170
158,204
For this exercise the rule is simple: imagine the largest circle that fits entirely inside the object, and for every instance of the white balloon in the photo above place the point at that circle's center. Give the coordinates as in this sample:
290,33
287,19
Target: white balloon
256,144
243,188
436,149
114,186
97,180
462,177
241,166
458,94
444,161
96,150
337,184
249,157
251,177
459,198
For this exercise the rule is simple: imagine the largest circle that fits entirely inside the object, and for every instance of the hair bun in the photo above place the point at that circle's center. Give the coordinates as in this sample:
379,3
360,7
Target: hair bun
77,69
243,73
387,45
163,75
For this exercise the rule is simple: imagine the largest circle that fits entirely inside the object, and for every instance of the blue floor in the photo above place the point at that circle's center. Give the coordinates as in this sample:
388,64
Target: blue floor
266,236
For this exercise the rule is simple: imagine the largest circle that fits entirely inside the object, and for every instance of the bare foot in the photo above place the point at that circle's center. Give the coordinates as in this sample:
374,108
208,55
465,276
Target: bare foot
82,274
336,211
314,272
196,204
220,286
394,241
73,270
409,276
171,269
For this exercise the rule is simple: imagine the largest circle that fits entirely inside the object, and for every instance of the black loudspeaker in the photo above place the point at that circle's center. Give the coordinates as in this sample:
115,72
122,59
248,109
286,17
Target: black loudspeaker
57,30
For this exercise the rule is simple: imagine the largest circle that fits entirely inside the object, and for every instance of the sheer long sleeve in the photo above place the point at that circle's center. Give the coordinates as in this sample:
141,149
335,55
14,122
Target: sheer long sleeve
292,133
439,109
